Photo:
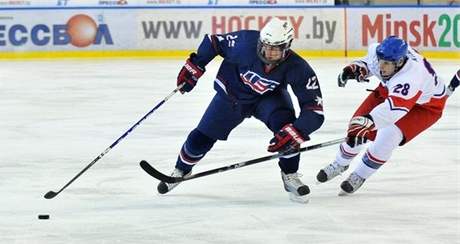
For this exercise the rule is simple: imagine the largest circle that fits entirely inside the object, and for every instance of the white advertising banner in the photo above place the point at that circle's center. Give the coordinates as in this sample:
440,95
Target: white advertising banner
423,28
67,30
315,29
163,29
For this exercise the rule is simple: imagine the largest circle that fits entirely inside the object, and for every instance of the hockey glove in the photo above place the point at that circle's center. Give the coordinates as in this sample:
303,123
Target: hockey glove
189,74
358,128
454,83
287,140
352,71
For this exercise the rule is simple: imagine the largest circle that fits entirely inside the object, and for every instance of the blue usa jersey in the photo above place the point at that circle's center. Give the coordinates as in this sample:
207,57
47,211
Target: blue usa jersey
244,78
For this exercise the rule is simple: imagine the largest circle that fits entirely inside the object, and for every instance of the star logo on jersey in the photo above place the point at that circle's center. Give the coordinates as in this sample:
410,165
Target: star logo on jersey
319,101
316,107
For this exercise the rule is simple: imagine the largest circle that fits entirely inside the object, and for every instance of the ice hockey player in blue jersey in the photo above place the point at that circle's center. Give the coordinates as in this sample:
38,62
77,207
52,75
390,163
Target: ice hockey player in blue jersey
252,82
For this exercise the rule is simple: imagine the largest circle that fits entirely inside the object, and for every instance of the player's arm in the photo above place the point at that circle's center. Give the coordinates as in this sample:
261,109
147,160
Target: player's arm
355,71
194,67
307,90
358,70
222,45
311,115
208,49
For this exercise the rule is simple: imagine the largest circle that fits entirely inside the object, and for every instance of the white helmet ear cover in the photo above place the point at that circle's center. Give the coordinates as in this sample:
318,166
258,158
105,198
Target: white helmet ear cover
277,32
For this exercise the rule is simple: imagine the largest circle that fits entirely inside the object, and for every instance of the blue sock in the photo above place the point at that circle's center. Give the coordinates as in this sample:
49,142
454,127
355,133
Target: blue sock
194,149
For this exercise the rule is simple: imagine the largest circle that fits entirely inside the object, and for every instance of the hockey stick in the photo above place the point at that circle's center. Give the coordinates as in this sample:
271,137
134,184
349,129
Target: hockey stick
168,179
52,194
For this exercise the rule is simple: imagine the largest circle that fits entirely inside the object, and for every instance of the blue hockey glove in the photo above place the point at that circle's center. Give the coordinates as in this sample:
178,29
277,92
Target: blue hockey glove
287,140
352,71
358,128
189,74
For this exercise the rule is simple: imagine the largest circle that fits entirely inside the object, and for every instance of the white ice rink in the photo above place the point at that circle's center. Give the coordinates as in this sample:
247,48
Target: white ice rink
57,116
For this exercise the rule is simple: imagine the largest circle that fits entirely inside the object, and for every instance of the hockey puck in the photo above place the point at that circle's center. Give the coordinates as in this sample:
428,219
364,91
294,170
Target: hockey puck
43,216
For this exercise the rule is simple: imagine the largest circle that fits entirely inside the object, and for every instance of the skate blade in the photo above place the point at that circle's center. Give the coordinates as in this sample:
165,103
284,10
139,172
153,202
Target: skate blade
343,193
299,199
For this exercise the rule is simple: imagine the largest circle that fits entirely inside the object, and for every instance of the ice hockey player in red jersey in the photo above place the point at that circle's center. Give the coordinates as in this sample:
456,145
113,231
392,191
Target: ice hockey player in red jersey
409,99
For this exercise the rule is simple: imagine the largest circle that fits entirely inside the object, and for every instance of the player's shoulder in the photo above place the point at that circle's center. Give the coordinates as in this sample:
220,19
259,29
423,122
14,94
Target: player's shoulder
411,73
255,33
298,65
239,38
296,60
372,50
373,47
247,35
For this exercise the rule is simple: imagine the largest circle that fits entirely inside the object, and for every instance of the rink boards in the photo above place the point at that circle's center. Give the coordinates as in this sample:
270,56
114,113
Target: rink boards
170,32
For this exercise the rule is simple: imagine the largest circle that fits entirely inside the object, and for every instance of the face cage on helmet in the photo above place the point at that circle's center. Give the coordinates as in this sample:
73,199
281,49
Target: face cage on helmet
284,47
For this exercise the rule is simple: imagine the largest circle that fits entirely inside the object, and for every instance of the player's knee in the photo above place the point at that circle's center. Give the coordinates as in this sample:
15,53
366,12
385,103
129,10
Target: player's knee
280,118
386,142
199,143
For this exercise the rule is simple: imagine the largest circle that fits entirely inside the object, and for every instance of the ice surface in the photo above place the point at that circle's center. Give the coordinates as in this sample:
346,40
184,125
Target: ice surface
57,116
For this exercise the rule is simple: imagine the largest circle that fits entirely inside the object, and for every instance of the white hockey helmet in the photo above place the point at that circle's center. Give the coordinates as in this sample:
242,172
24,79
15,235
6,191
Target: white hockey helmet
276,33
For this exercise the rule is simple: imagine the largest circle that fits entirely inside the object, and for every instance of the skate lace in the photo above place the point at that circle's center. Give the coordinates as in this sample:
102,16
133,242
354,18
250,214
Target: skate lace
294,179
334,168
355,179
177,173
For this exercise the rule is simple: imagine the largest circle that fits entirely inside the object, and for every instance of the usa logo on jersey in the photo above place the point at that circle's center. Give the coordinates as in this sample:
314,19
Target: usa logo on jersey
258,83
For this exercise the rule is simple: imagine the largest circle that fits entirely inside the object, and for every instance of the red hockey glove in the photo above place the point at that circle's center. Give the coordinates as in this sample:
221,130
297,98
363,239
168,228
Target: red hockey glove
358,128
352,71
287,140
189,75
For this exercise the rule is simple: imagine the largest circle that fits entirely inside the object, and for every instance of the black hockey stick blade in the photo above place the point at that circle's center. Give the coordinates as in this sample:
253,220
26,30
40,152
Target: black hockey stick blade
50,194
157,174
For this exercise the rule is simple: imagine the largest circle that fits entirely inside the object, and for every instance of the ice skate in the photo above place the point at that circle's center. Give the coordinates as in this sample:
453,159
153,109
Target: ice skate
164,187
298,191
329,172
351,184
